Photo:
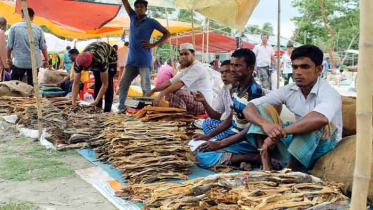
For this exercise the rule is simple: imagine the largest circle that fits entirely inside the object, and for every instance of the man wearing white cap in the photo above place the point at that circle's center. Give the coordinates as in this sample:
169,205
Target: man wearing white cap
194,77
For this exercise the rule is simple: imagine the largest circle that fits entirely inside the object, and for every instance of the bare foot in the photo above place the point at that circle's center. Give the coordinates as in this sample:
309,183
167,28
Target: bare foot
245,166
276,165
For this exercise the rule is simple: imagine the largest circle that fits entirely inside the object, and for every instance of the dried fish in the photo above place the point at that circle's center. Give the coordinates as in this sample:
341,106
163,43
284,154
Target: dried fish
238,191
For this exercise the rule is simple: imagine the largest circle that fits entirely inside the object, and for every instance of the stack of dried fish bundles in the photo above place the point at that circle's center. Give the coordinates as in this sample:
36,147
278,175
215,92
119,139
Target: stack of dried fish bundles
82,128
149,113
147,151
245,190
12,105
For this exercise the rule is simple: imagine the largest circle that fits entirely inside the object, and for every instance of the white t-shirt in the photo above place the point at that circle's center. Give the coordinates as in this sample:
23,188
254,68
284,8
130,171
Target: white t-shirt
286,69
263,55
196,78
223,102
122,56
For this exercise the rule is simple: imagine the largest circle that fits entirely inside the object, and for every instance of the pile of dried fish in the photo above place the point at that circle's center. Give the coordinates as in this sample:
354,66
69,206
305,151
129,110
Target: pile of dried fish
245,190
149,113
147,152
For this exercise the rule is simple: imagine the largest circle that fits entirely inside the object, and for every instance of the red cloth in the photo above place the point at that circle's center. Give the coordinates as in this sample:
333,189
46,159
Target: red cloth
79,15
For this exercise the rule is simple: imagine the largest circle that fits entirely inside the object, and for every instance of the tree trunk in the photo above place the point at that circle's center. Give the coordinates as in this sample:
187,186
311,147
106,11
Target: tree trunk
364,109
331,32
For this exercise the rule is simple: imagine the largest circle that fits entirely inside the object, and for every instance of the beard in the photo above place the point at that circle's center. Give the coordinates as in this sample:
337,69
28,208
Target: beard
227,87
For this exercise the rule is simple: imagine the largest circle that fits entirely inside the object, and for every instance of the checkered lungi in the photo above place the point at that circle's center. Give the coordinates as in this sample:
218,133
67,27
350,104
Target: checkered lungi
264,77
184,100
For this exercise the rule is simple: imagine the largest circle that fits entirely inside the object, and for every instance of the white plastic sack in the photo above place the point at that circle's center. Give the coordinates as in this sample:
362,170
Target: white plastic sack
31,133
11,119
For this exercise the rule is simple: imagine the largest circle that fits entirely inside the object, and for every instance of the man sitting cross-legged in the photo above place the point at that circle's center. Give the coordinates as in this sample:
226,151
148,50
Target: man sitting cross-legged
316,106
231,149
222,104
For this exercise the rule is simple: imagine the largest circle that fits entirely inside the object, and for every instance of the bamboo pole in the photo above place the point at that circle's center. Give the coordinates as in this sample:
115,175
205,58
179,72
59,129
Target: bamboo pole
169,41
278,43
363,160
208,40
193,37
33,65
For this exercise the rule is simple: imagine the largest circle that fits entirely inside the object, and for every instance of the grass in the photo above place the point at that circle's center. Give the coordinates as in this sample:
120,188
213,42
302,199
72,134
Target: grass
17,206
21,168
23,159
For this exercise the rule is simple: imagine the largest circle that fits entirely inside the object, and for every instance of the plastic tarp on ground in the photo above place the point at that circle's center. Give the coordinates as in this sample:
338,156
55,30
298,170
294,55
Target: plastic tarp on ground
230,13
113,28
75,14
217,42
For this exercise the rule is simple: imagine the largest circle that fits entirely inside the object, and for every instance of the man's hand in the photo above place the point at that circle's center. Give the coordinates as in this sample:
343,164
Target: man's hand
158,99
146,44
273,130
94,103
210,146
269,143
9,61
200,136
45,64
149,94
198,96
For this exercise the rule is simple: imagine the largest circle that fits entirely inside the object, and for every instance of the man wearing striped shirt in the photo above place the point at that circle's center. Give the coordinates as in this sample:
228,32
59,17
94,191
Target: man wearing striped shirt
231,148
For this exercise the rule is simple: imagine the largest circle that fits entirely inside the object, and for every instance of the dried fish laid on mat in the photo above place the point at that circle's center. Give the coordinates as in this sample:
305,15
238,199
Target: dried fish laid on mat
149,113
12,105
147,151
245,190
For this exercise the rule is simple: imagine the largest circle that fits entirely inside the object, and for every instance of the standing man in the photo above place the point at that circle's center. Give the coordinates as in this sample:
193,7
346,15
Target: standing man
194,77
139,56
265,56
287,70
66,59
101,59
18,46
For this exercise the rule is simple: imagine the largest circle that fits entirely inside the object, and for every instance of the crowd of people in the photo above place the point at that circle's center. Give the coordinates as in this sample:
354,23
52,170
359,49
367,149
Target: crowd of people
244,125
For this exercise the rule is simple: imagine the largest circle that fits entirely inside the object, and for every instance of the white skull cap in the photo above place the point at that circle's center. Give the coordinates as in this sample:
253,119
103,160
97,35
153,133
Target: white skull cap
186,46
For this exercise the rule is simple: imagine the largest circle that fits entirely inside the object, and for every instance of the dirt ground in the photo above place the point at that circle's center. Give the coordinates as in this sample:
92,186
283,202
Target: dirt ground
42,179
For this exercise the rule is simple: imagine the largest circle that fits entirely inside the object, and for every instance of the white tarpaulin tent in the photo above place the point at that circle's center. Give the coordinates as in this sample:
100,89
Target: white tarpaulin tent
56,44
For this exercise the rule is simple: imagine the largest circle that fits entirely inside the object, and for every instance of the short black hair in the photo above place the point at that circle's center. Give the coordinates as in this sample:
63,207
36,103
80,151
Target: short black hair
264,34
31,12
68,48
145,3
309,51
247,54
226,62
74,52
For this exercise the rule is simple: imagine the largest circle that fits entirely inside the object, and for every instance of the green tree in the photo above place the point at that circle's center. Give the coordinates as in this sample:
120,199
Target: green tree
186,16
159,12
342,17
268,28
253,29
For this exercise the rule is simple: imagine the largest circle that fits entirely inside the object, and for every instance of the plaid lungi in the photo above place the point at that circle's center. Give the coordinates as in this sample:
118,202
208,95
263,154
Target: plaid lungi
306,148
209,125
264,77
184,100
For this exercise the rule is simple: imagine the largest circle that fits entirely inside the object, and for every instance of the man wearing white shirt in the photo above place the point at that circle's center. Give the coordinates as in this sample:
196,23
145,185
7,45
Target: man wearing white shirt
287,70
265,56
316,106
194,77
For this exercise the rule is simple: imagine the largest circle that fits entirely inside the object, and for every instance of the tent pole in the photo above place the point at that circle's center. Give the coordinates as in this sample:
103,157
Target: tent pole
208,40
193,37
108,41
169,41
203,45
278,43
364,114
33,65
